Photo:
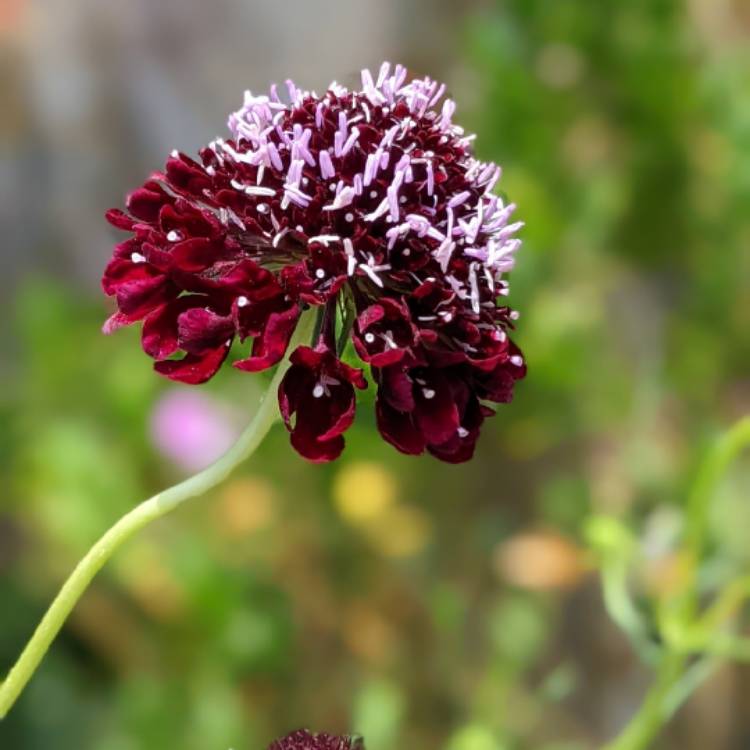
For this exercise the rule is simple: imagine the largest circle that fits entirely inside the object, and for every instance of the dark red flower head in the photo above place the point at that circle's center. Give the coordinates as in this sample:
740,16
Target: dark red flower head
365,204
304,740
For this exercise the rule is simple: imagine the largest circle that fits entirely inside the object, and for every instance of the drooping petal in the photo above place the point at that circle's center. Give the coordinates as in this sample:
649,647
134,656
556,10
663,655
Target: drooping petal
269,347
193,369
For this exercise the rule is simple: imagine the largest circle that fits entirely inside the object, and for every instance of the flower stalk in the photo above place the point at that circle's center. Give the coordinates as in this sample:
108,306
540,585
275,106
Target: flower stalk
686,632
142,515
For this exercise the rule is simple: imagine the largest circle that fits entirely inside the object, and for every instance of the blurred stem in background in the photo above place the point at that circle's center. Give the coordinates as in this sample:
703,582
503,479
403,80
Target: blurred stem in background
149,510
685,645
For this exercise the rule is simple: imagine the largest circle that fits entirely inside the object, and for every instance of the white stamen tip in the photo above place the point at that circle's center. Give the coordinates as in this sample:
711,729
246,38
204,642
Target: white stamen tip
173,236
137,258
318,391
428,393
242,301
516,360
369,338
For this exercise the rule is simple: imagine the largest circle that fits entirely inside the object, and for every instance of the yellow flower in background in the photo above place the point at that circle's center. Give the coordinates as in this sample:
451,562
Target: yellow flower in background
363,490
149,580
367,632
245,505
366,495
401,531
539,560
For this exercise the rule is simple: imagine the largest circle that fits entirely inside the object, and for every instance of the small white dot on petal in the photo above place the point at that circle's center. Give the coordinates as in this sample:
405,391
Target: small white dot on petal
242,301
320,273
173,236
262,208
516,360
428,393
137,258
514,315
318,391
369,338
349,217
462,432
373,193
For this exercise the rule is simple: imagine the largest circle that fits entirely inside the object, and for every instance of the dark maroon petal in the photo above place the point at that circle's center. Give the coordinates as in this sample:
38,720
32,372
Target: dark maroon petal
398,429
138,297
307,357
343,421
435,413
195,254
311,448
145,202
297,382
116,321
187,175
317,402
270,346
383,333
353,375
370,316
201,329
121,270
455,451
159,333
193,368
497,385
119,219
159,336
187,221
396,388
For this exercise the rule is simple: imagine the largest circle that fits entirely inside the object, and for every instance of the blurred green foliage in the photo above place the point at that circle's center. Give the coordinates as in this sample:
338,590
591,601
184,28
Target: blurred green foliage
420,604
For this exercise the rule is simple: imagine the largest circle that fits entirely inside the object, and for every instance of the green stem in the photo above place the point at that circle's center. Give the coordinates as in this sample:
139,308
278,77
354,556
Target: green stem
712,470
149,510
674,681
655,710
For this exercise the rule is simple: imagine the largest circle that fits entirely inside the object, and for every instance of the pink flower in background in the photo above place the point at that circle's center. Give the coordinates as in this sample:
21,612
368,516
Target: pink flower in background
191,428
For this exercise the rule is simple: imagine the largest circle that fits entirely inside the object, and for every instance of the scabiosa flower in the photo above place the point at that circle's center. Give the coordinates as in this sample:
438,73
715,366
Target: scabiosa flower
368,205
304,740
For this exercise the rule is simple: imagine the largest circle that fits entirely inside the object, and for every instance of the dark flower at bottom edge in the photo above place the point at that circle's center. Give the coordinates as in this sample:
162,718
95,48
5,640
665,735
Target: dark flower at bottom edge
303,739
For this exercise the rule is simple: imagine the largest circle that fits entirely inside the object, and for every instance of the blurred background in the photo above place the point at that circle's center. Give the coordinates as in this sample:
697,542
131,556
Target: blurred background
424,605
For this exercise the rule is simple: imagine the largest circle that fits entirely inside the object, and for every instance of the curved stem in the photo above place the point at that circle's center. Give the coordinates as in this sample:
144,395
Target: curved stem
655,710
675,681
136,519
711,471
